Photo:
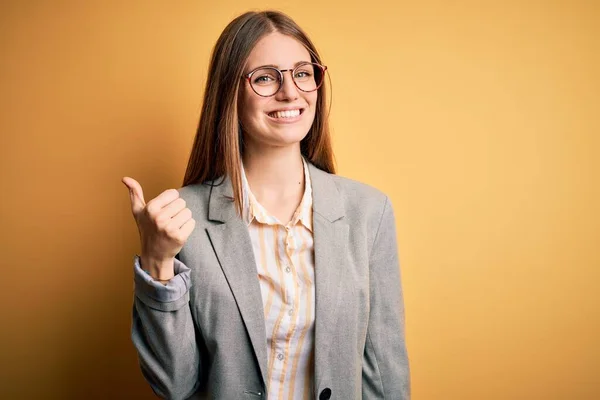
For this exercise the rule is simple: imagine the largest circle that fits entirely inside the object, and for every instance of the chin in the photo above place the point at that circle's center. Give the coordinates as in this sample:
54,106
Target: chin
293,135
285,139
288,141
278,135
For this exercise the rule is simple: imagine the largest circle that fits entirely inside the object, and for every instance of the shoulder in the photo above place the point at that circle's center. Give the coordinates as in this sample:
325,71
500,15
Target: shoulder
364,206
357,195
195,191
197,197
368,212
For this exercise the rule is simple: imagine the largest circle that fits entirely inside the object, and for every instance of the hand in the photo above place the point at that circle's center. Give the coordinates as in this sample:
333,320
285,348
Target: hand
164,225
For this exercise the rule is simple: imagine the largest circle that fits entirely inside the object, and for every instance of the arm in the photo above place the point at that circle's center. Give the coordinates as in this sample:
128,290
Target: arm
386,372
163,333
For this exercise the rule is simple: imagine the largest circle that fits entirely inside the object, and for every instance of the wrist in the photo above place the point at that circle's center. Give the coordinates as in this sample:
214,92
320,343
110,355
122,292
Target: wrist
159,270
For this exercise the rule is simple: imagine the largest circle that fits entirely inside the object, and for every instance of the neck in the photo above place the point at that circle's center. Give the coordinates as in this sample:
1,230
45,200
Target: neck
274,171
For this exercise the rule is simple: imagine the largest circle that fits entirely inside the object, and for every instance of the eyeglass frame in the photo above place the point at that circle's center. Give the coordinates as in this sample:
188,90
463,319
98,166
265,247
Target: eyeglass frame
248,76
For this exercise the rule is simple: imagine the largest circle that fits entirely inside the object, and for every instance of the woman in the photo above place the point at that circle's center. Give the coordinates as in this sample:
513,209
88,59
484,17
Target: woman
285,283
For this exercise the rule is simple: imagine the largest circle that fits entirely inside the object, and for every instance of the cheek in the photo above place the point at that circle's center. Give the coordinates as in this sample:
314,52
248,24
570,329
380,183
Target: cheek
249,109
312,101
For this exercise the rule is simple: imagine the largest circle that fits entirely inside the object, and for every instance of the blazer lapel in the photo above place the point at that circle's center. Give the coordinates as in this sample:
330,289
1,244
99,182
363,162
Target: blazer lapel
331,239
232,245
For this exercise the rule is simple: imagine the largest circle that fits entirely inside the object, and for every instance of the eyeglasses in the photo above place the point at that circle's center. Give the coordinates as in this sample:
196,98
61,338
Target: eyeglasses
267,81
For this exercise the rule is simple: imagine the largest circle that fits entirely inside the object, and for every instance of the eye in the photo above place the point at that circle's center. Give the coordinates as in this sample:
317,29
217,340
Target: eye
303,73
262,77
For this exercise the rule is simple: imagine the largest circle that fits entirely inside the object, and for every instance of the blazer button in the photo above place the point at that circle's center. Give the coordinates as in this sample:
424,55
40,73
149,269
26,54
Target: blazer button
325,394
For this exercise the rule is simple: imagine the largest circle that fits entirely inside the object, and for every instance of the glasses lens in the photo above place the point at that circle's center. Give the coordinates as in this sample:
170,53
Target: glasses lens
308,77
265,81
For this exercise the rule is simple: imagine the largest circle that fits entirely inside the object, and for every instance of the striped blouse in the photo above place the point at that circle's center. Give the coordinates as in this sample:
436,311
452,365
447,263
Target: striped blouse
285,265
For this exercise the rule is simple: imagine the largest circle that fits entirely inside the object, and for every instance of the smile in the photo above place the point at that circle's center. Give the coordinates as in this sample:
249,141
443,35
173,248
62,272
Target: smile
287,115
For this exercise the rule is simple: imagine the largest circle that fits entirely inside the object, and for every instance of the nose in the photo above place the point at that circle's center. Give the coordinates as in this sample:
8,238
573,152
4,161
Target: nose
288,90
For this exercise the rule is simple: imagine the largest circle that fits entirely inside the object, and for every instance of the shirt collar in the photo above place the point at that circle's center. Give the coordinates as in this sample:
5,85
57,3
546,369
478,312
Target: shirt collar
252,209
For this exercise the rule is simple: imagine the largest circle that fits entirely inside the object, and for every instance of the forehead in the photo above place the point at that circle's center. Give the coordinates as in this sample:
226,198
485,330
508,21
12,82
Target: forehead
277,49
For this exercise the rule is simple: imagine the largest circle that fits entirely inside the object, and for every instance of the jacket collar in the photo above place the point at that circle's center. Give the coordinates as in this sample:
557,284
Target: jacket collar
324,190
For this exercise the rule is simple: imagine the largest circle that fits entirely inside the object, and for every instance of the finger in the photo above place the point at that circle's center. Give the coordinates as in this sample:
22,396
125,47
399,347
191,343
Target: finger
156,204
136,194
188,228
171,209
180,219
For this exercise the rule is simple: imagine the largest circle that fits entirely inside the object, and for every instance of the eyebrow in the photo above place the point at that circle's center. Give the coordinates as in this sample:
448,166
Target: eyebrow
275,66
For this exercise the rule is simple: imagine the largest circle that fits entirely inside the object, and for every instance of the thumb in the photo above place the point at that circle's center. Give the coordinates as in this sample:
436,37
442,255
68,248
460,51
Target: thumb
136,193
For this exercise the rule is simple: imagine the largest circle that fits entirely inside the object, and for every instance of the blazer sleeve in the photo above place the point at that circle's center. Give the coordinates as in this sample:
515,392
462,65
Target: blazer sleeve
163,333
385,361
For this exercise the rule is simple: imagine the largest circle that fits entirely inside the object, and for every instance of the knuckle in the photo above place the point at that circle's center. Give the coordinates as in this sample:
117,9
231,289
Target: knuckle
169,229
151,217
178,238
164,229
160,219
150,209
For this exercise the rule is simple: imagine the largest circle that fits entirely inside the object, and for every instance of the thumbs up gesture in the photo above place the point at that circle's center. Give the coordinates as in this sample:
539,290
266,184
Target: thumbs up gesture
164,224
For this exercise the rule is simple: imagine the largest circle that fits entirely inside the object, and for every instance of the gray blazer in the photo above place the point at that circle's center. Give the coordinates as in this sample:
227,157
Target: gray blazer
206,337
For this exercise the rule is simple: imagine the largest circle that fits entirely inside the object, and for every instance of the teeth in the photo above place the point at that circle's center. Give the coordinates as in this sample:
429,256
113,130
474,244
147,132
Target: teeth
285,114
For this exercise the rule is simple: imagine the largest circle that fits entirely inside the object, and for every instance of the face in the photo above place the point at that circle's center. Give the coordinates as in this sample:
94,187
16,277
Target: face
263,121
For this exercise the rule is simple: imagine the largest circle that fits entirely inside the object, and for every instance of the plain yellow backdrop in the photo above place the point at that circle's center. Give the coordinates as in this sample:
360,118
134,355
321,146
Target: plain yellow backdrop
480,119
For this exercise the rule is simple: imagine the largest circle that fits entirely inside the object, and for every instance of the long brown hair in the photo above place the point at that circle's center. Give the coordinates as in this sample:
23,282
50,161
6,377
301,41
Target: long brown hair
217,148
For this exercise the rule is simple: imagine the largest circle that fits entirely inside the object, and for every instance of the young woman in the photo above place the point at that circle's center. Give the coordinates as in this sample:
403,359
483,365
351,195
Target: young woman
285,283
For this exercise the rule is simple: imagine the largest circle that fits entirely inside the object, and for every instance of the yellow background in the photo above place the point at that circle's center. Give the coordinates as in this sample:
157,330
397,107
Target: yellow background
479,118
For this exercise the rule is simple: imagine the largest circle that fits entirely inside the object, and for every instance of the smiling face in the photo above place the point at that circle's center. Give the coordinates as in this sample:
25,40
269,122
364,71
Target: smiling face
283,119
